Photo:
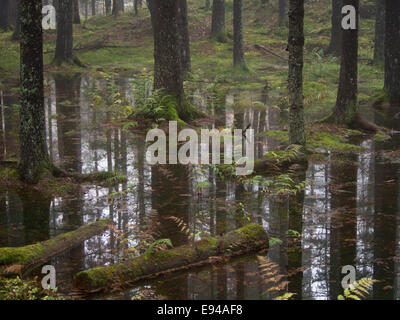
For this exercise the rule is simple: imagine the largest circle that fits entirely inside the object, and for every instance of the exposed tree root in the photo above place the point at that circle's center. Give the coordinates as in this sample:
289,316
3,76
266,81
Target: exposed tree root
357,123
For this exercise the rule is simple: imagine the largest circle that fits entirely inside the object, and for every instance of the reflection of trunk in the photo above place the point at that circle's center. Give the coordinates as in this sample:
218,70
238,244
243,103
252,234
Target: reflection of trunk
385,222
69,134
344,224
296,205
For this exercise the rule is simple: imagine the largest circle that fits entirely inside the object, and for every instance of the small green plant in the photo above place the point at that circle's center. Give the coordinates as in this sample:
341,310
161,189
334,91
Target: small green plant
19,289
159,245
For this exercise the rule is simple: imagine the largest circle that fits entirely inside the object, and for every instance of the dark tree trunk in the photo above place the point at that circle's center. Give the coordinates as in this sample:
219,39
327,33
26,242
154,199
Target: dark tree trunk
118,7
296,48
208,4
12,12
238,47
218,20
150,5
183,26
64,41
137,4
379,48
392,51
93,8
108,6
283,12
33,147
335,46
17,30
77,17
4,14
346,103
167,55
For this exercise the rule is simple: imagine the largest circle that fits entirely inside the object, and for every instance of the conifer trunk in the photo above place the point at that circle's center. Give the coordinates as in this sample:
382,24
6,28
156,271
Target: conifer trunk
238,47
296,47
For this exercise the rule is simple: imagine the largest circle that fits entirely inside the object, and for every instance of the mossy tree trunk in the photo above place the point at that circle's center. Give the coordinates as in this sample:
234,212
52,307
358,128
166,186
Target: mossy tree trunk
33,147
167,50
218,20
335,44
250,238
392,51
238,46
296,48
346,103
64,41
183,26
77,17
379,48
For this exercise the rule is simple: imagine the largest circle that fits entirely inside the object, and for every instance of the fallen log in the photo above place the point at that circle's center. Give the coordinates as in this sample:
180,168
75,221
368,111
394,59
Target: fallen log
260,47
250,238
19,259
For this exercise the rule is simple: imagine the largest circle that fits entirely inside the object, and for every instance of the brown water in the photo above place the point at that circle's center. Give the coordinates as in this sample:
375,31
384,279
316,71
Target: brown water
347,214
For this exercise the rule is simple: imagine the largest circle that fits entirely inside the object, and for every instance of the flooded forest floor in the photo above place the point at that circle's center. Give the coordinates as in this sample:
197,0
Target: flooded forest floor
343,210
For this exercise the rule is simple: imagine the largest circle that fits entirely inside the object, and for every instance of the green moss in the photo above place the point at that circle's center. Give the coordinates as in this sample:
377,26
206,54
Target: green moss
252,232
20,255
327,141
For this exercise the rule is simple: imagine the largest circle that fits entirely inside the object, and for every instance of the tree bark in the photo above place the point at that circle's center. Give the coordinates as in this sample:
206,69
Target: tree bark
4,14
167,50
379,48
218,20
64,41
33,147
296,48
392,51
335,46
183,26
108,6
250,238
77,17
346,103
238,47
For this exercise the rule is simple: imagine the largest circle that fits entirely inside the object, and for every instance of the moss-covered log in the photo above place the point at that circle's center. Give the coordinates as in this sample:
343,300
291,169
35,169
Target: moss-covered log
250,238
19,259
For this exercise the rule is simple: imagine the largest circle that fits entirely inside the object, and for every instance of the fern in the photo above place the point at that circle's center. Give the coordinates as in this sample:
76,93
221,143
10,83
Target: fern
272,277
358,290
158,245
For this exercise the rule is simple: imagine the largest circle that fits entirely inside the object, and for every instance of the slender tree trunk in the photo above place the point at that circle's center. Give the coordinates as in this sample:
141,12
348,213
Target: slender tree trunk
392,51
218,20
108,6
167,55
346,103
183,27
208,4
93,8
4,14
238,47
296,48
33,147
335,46
283,12
17,30
379,48
77,17
64,41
